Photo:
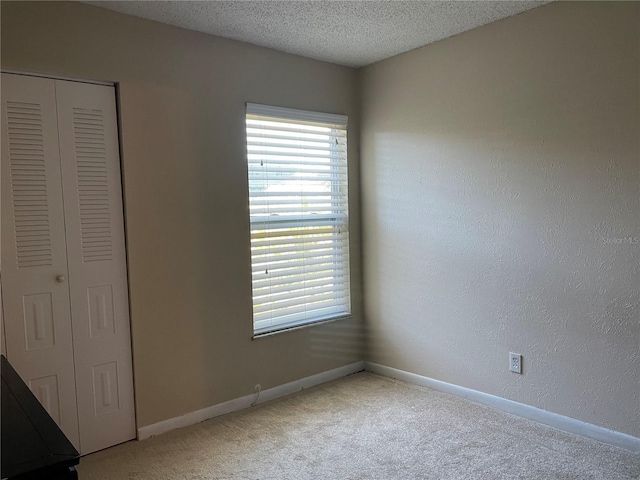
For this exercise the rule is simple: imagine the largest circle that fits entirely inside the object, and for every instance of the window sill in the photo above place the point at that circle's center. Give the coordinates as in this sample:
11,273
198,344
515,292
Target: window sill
298,325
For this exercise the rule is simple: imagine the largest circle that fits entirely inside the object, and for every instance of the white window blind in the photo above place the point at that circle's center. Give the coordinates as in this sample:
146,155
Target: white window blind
298,207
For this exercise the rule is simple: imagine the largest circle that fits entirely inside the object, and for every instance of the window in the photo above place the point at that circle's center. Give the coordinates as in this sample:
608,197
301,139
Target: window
298,207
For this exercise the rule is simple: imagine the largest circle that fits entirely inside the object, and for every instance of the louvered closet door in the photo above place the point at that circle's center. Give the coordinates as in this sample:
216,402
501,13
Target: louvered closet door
97,269
35,288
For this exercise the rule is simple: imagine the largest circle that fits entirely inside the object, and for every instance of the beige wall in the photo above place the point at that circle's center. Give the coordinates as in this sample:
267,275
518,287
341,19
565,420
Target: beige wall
494,165
182,101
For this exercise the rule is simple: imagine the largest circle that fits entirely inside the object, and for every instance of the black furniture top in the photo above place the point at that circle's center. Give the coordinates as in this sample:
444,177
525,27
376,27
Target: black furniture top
33,446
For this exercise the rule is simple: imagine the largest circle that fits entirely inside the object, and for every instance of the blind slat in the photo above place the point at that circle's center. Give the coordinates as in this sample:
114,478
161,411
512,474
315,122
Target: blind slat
299,304
287,161
260,244
258,254
267,195
262,323
293,297
279,267
276,277
318,173
262,135
287,316
284,230
257,145
287,206
263,282
299,285
284,201
265,154
306,219
275,256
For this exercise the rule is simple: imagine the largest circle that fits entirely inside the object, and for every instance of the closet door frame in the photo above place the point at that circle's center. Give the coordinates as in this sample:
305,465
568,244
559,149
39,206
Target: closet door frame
60,77
114,85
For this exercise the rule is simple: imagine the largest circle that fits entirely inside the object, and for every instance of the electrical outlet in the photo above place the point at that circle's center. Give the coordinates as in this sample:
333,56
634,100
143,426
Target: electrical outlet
515,362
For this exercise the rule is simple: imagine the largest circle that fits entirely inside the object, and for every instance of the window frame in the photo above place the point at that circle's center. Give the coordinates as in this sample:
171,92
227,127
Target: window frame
338,244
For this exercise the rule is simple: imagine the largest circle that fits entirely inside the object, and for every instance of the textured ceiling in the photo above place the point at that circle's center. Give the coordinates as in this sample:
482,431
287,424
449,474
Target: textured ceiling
353,33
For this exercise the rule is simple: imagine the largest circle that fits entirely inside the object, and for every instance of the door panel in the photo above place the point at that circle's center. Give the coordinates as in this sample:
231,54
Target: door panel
34,260
46,391
97,264
105,386
37,309
100,310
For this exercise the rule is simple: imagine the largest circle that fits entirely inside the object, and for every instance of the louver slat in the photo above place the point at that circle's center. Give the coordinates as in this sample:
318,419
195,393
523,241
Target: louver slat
93,185
28,185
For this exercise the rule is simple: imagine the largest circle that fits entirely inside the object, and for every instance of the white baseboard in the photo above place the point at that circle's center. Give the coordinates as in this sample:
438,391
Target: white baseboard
545,417
246,401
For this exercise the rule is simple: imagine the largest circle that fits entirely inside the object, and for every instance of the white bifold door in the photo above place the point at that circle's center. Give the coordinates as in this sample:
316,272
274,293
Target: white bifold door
64,279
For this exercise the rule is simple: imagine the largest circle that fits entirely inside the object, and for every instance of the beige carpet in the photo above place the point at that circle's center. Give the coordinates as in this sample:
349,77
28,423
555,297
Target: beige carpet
364,427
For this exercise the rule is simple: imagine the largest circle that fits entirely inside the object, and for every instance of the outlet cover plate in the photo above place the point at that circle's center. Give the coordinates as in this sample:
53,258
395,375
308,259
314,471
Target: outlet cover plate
515,362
